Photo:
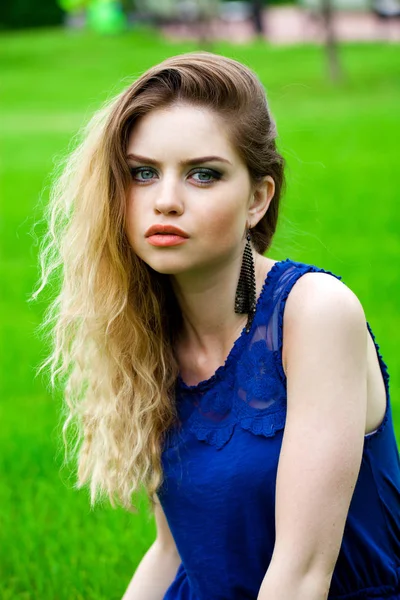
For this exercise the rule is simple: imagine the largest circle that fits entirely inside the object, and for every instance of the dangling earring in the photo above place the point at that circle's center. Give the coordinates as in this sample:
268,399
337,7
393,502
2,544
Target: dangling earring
245,299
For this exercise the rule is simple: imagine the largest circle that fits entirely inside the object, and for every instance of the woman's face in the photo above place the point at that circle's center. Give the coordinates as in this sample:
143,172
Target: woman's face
208,199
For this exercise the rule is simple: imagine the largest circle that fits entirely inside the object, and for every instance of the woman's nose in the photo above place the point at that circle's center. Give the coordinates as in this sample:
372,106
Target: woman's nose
169,198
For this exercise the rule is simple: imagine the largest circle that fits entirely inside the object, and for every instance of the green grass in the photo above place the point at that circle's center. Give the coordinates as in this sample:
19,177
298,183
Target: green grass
340,212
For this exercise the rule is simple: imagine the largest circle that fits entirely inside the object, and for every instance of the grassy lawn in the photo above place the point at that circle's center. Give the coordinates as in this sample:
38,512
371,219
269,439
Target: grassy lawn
340,212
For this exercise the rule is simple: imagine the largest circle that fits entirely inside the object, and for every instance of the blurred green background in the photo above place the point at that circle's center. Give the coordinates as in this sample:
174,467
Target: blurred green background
340,213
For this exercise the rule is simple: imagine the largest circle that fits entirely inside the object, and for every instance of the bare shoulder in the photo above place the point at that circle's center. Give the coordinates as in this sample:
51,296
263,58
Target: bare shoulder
319,290
319,297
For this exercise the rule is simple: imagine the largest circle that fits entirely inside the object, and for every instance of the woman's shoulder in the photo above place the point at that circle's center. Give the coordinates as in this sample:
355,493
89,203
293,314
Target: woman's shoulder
315,286
294,285
316,295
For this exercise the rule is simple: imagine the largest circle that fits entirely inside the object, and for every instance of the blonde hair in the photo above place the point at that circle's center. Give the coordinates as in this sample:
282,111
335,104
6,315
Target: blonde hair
113,322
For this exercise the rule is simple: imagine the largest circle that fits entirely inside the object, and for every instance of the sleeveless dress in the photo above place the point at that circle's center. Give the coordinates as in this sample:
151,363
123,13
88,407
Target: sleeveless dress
220,465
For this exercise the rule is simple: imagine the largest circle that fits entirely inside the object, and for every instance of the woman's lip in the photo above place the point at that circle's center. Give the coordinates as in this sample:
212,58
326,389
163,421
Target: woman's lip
166,239
171,229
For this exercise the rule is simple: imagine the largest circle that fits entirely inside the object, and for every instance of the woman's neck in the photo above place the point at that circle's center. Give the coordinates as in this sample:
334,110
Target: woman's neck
209,322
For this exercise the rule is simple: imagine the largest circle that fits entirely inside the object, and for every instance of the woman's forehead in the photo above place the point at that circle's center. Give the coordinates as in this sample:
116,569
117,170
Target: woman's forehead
182,133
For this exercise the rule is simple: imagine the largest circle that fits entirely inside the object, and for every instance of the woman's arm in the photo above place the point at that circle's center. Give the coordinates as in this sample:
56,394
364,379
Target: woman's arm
155,573
158,567
326,362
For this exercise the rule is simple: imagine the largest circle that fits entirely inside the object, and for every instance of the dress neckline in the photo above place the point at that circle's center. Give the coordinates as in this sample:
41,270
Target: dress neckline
239,342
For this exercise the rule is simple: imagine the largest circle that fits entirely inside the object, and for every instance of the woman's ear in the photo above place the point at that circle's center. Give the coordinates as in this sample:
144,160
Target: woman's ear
262,194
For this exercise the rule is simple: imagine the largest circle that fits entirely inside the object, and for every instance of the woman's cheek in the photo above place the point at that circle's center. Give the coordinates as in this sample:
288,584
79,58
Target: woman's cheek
132,229
135,215
225,227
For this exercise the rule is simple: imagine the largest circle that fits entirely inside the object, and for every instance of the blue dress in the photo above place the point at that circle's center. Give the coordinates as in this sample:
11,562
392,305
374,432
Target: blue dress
220,470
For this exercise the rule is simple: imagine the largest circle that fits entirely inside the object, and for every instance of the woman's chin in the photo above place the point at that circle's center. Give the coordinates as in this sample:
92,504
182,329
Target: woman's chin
168,267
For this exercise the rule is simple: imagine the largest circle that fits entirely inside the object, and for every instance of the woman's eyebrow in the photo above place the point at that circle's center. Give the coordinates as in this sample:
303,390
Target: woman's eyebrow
191,161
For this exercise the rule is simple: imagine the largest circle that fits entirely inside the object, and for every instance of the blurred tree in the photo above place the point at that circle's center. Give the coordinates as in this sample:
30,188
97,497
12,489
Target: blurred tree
257,7
106,16
322,12
208,10
73,5
19,14
335,70
103,16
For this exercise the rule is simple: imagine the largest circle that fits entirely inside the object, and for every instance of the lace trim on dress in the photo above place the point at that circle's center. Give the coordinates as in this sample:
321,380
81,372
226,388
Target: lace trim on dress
264,424
267,427
220,411
212,420
249,397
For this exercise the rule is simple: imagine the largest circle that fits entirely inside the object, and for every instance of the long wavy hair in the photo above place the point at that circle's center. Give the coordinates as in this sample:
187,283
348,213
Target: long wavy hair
112,324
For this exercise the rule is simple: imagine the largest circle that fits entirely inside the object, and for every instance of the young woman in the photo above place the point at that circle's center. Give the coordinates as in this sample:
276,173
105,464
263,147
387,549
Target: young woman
246,395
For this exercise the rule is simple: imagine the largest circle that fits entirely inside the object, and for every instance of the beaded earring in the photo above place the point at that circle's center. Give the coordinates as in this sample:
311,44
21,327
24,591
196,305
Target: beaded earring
245,299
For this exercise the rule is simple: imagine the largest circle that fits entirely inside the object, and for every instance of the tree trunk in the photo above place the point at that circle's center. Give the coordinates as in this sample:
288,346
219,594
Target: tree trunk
334,67
208,11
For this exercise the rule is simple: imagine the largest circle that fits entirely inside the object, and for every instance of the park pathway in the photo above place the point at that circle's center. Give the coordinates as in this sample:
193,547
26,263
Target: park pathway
293,25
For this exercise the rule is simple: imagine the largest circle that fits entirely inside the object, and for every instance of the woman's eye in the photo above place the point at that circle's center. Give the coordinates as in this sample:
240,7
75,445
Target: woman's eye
142,171
206,176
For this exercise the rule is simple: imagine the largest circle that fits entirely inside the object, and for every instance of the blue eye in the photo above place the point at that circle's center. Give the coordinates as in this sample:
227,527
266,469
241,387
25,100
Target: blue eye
141,170
210,175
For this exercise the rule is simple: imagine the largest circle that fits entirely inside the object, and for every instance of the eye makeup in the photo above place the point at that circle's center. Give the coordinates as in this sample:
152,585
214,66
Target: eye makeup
215,175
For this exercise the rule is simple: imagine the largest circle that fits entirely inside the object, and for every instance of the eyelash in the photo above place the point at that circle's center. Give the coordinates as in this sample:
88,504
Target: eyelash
215,174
